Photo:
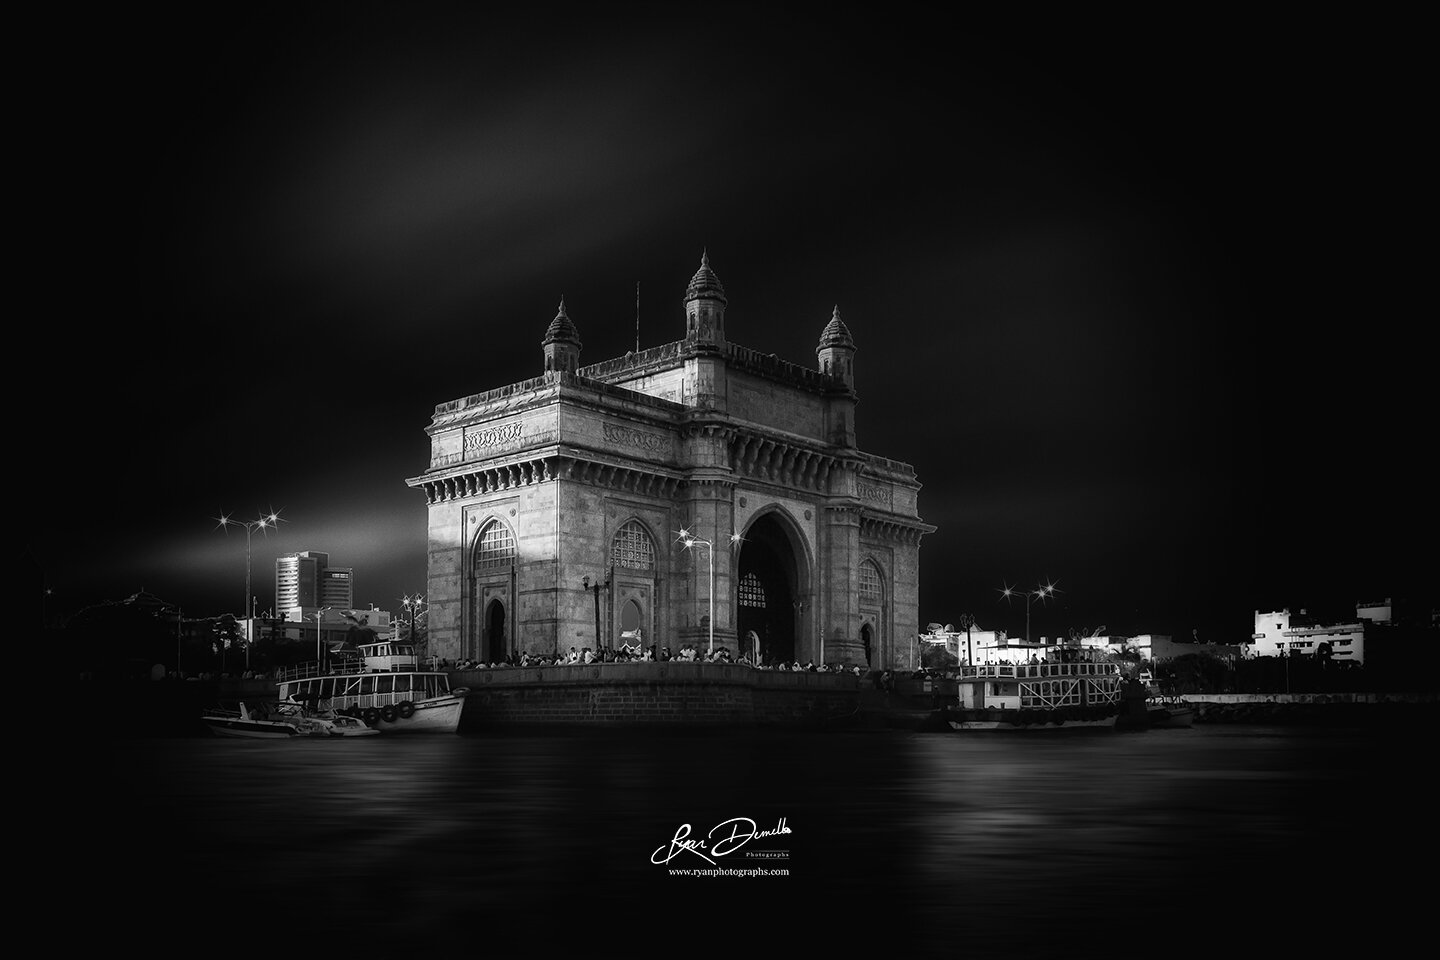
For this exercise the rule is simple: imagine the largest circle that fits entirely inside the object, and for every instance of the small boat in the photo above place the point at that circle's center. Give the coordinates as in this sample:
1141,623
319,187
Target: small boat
380,684
343,725
1168,712
263,722
1036,696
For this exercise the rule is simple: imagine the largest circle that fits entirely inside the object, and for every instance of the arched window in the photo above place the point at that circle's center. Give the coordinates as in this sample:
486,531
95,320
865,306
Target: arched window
752,591
632,547
495,546
871,590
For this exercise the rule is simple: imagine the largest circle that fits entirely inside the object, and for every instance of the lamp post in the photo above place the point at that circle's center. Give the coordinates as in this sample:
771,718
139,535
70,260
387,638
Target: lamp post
271,519
1042,592
412,606
968,622
319,617
595,588
690,540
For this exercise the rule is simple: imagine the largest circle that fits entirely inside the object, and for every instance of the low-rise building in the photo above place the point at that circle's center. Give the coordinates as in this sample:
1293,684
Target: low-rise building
1280,633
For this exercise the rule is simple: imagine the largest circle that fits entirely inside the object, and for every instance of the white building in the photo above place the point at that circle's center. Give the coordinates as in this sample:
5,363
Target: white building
1278,633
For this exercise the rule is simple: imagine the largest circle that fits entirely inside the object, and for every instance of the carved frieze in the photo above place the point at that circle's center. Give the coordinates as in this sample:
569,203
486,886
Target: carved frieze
622,436
874,494
496,437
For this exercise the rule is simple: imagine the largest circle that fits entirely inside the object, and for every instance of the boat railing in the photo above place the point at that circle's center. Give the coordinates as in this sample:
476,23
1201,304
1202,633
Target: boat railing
1036,671
346,667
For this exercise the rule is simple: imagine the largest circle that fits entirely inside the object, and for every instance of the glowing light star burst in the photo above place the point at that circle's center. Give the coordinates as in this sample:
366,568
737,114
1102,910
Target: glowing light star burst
266,522
690,540
1042,592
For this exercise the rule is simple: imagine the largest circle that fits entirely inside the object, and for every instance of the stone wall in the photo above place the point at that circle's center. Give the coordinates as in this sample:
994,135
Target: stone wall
671,693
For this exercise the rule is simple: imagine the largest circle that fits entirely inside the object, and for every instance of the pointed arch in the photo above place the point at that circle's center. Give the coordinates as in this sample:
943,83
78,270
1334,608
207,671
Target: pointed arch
494,545
633,546
872,583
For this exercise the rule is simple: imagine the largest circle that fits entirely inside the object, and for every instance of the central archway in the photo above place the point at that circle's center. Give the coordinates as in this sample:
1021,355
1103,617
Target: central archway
769,591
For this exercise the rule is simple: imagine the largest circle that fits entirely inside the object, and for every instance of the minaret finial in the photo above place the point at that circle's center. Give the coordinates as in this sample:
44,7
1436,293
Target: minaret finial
562,306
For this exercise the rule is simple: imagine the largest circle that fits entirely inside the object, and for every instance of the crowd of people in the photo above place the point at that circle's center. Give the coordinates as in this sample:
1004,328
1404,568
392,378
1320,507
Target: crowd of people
689,653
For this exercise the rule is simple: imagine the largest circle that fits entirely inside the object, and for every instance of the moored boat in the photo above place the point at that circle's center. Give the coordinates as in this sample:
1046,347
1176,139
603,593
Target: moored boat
1168,712
380,684
263,722
1036,696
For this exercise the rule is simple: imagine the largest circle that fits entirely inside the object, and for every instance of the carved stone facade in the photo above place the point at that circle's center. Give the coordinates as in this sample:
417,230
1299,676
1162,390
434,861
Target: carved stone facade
557,502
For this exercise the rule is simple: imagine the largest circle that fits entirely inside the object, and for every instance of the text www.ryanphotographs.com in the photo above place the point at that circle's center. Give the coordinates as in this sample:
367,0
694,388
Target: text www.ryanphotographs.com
729,872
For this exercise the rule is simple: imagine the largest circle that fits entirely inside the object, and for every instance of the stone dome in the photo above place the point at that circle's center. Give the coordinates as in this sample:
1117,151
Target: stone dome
705,285
562,328
836,334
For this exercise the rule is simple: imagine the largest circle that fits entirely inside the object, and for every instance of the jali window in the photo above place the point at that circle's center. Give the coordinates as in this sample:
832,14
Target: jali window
496,546
632,547
752,591
871,591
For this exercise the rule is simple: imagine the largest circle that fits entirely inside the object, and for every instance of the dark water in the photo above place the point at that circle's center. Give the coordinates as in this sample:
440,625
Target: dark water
1188,842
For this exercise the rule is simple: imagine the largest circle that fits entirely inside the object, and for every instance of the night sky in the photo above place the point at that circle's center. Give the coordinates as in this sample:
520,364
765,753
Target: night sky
1128,293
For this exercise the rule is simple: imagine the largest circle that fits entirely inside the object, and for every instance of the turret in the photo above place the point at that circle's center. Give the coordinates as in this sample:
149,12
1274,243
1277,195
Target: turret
836,352
561,344
705,306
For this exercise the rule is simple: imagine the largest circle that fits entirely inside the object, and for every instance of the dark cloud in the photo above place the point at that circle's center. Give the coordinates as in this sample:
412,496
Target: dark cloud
1111,295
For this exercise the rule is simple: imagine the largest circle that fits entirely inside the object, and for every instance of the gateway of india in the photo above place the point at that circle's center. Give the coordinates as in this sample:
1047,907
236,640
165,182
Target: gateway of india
557,505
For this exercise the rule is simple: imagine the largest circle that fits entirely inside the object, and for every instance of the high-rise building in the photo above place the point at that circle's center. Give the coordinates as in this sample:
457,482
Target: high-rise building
306,580
337,587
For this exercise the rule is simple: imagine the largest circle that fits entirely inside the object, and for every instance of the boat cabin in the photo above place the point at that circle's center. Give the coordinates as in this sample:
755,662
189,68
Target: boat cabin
1037,686
388,656
366,689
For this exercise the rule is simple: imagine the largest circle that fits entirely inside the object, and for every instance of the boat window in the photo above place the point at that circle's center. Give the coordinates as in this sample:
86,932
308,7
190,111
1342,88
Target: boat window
367,684
402,683
384,683
327,688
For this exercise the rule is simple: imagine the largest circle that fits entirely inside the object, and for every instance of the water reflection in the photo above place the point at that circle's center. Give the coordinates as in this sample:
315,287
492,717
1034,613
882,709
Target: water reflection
1001,843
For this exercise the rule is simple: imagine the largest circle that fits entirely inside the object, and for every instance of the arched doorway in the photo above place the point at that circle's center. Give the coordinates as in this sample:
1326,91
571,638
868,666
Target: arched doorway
495,647
632,634
767,588
867,642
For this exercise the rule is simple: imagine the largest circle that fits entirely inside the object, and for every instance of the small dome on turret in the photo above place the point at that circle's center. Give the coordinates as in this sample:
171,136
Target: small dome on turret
562,328
705,285
836,334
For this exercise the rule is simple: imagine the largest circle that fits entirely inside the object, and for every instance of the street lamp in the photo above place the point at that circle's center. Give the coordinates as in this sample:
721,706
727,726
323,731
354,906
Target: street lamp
1042,592
319,659
271,519
595,587
412,606
968,622
690,540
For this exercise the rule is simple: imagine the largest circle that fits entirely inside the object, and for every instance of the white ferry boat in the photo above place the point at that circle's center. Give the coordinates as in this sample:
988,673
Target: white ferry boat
382,684
1036,696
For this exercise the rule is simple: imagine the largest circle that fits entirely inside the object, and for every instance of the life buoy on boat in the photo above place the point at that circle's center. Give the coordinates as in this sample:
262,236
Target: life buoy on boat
406,709
387,713
370,715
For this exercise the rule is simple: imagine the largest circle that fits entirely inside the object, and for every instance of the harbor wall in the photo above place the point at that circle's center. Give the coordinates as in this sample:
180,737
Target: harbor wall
657,694
671,693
